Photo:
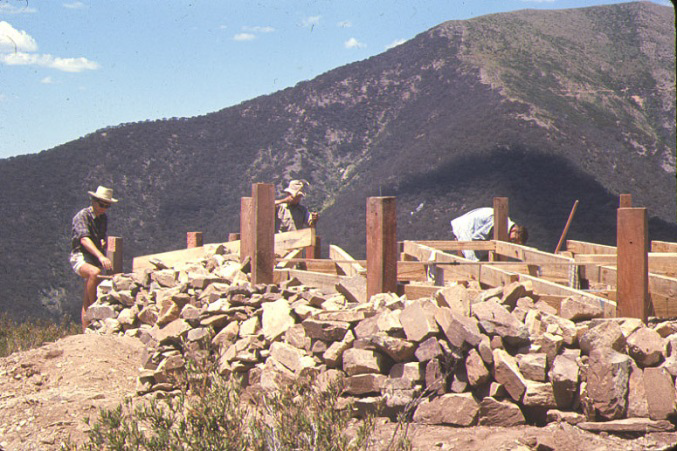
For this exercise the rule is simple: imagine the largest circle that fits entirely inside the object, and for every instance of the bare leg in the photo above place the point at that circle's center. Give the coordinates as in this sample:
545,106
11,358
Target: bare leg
91,275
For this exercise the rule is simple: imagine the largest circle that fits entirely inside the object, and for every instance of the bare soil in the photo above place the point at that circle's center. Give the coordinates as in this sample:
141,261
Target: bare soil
46,393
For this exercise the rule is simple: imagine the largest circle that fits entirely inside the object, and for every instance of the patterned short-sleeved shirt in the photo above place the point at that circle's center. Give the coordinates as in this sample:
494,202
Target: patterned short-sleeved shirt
86,223
291,217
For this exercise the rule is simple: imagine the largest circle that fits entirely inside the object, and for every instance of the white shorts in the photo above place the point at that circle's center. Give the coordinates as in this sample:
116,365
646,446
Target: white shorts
77,259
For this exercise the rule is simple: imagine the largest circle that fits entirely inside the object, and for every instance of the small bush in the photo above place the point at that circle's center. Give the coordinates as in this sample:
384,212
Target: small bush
15,336
213,416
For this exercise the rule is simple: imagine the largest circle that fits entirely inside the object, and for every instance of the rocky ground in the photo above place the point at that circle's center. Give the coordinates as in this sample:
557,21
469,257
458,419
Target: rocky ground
46,393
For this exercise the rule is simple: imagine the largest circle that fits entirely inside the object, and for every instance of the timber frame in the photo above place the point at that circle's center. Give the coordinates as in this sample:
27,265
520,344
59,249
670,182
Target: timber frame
598,273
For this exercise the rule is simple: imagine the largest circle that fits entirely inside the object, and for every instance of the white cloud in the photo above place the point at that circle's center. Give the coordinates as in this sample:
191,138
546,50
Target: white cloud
14,40
345,24
52,62
311,21
353,43
17,47
244,37
47,81
6,8
258,29
74,5
395,43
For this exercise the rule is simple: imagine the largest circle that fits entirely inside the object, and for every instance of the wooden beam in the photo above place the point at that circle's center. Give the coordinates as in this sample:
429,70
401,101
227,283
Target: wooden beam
314,250
581,247
295,239
483,273
557,267
381,246
633,264
415,291
459,245
663,263
663,246
263,233
501,232
193,239
352,267
286,262
174,258
324,282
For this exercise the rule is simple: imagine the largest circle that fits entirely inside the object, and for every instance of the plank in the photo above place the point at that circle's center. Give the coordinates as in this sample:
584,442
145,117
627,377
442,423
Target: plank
284,242
173,258
632,286
582,247
664,263
663,246
348,268
459,245
416,291
552,266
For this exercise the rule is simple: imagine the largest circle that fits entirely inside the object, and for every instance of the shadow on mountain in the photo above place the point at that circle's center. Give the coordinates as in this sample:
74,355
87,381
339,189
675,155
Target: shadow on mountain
541,188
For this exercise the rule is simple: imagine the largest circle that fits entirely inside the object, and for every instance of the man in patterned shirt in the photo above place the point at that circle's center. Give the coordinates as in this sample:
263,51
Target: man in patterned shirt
289,213
88,241
478,225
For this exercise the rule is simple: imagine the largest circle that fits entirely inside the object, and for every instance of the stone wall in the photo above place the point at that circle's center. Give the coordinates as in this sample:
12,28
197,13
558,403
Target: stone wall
467,356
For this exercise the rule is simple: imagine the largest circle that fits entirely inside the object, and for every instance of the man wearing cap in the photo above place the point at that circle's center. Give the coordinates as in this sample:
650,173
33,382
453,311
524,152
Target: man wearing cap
88,240
289,213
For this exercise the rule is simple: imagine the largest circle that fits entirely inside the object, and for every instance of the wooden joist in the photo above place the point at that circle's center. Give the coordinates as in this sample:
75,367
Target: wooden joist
348,265
554,267
581,247
664,263
284,242
663,246
460,245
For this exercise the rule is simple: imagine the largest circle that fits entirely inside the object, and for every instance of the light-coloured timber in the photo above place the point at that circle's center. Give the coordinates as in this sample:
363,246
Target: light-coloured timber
284,242
664,263
663,246
581,247
348,265
460,245
556,267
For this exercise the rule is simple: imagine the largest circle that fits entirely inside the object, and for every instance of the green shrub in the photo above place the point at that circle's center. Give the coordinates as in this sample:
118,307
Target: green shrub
213,415
15,336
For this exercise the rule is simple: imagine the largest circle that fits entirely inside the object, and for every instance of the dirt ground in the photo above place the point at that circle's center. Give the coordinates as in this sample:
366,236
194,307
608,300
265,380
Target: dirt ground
46,393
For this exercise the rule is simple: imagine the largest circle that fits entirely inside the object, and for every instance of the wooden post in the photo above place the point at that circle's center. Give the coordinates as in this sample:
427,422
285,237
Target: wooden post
501,232
262,233
114,253
633,264
246,225
193,239
313,251
625,201
381,246
233,236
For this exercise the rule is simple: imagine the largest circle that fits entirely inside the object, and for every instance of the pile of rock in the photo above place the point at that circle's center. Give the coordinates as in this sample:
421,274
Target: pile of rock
467,356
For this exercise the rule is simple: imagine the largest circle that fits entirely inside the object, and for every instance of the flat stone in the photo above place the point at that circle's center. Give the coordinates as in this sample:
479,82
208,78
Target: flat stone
628,425
326,330
460,330
452,409
660,393
580,308
637,402
418,320
276,319
500,413
533,365
428,349
603,334
363,384
507,374
358,361
539,394
564,376
476,370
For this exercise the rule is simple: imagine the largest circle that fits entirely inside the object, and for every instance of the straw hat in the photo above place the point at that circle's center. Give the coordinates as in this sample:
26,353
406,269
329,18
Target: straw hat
103,194
296,187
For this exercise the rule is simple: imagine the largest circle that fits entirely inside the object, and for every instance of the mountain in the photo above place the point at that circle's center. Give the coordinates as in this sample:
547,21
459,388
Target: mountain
543,107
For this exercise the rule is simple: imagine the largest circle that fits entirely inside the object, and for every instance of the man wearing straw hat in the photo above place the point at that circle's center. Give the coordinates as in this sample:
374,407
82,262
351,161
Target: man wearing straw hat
88,241
289,213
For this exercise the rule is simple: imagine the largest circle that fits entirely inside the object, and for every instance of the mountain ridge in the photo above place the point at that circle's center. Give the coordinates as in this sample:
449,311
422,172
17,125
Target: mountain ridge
463,112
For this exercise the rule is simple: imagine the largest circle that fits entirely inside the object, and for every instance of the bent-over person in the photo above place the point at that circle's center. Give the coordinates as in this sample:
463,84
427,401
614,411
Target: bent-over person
478,225
88,243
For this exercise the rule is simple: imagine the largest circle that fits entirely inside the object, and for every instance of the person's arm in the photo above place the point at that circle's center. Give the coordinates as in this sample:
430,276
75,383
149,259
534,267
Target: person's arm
89,245
284,200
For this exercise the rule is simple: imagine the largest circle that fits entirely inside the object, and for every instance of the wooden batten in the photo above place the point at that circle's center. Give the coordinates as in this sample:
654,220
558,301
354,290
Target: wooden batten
581,247
460,245
663,246
553,267
348,265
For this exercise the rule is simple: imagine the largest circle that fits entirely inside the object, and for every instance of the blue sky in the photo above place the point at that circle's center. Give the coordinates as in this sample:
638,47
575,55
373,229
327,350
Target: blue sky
68,68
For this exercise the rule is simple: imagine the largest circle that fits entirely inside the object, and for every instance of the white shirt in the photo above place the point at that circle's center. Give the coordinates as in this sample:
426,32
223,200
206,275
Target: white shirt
476,225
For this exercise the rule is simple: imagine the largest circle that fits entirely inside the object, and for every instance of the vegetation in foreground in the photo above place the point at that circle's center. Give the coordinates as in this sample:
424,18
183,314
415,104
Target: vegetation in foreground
214,415
21,336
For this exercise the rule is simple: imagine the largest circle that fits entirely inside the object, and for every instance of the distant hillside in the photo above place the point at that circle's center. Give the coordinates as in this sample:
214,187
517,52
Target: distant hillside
544,107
